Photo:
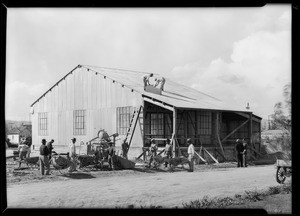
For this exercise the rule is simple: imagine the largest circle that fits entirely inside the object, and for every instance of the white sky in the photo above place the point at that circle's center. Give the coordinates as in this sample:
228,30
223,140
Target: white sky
238,55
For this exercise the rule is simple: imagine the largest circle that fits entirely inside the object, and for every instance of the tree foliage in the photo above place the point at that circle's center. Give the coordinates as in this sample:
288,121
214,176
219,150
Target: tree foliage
280,118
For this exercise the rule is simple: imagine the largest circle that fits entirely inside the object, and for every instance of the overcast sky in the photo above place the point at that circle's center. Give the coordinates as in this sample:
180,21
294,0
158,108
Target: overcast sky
238,55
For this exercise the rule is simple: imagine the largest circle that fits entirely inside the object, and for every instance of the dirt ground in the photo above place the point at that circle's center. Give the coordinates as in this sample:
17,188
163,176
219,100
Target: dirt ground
140,187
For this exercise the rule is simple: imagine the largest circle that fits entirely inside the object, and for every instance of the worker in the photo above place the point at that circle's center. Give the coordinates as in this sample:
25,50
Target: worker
44,160
72,155
152,151
22,149
245,154
240,150
50,147
191,152
28,142
168,150
125,148
146,79
160,82
111,155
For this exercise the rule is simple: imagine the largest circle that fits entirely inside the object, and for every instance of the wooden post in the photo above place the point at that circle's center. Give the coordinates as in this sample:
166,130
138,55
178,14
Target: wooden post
174,129
250,133
144,121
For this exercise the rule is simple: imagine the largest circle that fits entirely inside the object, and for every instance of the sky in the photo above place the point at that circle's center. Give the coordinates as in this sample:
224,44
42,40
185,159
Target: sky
238,55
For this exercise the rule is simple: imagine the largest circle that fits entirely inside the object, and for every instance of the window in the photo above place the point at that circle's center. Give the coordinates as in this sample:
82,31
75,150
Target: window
43,124
156,124
79,123
124,115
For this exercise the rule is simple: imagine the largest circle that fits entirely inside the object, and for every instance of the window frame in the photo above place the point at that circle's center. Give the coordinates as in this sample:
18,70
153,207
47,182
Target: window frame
42,123
79,122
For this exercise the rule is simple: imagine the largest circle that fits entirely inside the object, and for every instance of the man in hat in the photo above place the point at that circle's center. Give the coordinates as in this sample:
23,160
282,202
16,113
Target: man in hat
240,150
111,155
125,148
44,160
50,147
153,149
191,153
168,150
72,155
146,80
160,82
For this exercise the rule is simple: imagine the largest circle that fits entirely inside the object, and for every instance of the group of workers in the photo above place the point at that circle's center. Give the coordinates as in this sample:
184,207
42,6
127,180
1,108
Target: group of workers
168,152
159,81
109,153
46,150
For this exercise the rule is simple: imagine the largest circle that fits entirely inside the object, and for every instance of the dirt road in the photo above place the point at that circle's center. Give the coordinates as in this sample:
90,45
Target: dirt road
160,189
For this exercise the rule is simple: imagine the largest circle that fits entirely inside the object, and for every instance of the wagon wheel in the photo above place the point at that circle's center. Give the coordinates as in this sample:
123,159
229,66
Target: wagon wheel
280,175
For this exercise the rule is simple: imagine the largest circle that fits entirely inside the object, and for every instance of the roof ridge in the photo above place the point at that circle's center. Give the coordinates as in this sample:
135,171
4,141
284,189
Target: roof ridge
119,69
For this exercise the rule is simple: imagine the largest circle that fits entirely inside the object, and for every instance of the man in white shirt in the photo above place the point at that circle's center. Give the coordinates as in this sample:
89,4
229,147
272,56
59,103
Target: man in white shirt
72,154
191,152
160,82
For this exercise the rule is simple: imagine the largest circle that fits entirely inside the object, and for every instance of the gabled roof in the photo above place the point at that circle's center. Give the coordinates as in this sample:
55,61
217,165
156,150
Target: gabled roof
174,94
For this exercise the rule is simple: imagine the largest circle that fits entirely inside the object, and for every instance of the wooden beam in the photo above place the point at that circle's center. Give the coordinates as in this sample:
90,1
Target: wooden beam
174,129
220,154
179,151
221,146
211,155
250,130
159,104
218,137
201,158
235,130
161,152
257,152
247,116
144,151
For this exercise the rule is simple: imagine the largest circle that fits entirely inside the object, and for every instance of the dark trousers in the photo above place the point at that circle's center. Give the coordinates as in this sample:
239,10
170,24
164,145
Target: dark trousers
22,156
240,160
44,162
169,155
111,162
152,155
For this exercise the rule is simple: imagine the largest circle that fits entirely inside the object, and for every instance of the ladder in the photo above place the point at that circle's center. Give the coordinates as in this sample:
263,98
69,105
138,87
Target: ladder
132,125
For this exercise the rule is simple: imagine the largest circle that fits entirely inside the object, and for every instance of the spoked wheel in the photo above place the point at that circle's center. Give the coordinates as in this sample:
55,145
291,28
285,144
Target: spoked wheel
280,175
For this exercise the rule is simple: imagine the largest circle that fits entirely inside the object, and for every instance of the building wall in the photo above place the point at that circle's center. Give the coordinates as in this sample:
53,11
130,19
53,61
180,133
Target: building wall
14,138
83,90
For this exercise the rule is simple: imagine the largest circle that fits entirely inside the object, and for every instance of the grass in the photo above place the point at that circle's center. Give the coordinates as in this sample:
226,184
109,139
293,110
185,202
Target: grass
238,199
220,202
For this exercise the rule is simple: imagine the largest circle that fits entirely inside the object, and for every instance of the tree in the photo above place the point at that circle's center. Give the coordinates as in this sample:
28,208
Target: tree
281,120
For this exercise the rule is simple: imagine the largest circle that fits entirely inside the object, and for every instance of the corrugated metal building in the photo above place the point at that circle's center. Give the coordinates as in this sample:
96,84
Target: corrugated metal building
91,98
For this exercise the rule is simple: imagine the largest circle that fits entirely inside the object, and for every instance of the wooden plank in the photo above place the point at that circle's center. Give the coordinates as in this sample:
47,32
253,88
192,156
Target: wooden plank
247,116
220,154
201,157
144,151
257,152
218,136
159,104
235,130
211,155
179,151
161,152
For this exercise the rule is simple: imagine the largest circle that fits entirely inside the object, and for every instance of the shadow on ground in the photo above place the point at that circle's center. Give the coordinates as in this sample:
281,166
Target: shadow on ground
78,176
